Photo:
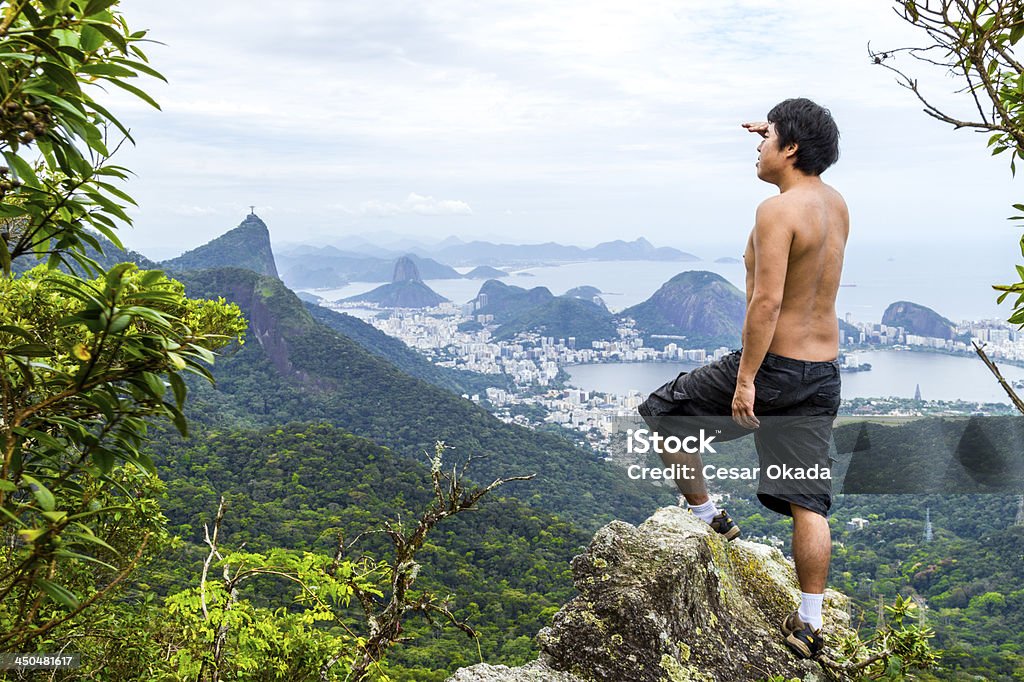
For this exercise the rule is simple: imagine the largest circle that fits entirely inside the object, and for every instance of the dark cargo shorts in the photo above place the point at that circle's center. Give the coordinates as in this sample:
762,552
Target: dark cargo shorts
795,401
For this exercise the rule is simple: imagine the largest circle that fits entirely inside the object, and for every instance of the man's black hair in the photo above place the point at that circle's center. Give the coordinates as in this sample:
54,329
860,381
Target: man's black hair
811,127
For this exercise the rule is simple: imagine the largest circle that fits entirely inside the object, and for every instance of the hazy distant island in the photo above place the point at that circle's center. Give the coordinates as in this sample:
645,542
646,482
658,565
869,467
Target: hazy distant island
729,260
485,272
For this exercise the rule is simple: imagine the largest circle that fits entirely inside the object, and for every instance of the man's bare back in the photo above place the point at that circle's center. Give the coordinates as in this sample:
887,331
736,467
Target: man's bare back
794,261
812,223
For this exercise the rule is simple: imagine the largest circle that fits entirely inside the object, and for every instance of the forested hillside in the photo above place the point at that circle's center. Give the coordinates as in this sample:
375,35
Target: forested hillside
299,485
294,368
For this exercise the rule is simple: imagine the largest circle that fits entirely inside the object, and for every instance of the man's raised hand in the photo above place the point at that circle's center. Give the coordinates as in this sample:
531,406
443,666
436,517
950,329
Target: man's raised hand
759,127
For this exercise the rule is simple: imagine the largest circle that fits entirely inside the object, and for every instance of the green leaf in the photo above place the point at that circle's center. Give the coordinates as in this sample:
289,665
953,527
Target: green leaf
104,459
91,39
139,66
7,486
111,70
82,557
60,75
16,331
156,385
31,534
97,6
31,350
22,169
89,536
180,422
151,277
116,274
74,110
120,194
42,494
59,594
119,323
12,211
179,388
111,170
137,92
110,33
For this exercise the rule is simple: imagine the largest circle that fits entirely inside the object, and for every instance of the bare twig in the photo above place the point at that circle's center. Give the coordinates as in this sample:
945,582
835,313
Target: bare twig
1017,402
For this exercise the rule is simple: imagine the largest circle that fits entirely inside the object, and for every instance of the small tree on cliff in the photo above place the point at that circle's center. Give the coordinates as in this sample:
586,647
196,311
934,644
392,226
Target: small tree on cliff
974,40
88,358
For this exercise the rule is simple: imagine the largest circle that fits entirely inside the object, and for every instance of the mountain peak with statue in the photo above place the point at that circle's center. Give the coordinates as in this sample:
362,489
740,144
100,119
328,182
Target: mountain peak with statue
246,246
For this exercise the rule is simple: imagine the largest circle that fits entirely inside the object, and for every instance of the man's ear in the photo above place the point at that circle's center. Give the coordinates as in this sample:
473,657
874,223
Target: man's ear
791,149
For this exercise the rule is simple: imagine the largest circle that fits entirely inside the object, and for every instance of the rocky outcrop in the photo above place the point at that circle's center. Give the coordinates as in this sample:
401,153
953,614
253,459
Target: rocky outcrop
671,601
406,271
918,319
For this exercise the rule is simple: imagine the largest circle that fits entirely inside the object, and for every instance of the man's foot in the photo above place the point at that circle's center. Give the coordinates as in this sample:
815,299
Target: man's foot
723,525
801,638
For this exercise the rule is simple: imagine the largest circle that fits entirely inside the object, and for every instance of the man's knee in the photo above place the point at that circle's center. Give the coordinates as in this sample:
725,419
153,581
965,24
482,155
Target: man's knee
811,513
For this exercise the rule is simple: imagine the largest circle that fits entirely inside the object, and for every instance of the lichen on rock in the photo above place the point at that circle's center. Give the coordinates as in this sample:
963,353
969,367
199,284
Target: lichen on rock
672,601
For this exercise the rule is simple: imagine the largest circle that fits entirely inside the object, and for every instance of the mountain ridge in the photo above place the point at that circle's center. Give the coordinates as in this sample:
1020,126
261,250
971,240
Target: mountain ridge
246,246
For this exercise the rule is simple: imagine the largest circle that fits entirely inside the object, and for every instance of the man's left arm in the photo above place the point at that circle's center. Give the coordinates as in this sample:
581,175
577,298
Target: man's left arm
771,240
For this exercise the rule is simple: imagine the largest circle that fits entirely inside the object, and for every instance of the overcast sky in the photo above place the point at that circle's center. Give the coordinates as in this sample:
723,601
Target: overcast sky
531,121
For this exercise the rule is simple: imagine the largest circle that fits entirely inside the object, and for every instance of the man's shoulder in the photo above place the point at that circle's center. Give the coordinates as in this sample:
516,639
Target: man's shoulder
776,211
794,203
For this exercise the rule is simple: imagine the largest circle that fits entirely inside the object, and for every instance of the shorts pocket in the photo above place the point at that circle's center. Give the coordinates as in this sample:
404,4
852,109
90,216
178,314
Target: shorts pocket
827,397
679,392
765,392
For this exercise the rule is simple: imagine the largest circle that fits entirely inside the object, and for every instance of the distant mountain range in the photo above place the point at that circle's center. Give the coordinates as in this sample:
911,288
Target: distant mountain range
695,308
489,253
330,267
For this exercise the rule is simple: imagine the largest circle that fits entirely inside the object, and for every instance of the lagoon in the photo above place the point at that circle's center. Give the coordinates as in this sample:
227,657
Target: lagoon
894,373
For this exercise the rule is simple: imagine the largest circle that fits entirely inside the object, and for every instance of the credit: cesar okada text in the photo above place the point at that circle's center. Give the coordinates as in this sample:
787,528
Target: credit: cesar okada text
642,441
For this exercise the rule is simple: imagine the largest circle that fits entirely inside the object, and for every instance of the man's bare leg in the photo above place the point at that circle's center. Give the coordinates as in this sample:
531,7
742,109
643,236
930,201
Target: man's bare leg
812,549
812,552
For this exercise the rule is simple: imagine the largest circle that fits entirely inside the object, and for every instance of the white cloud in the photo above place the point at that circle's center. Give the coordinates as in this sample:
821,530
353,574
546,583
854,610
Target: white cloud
583,118
414,204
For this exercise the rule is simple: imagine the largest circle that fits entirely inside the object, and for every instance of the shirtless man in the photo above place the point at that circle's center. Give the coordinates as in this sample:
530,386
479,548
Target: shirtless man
788,366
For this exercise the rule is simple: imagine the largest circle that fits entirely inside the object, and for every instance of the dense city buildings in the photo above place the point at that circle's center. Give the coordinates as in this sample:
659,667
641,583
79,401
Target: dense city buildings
452,336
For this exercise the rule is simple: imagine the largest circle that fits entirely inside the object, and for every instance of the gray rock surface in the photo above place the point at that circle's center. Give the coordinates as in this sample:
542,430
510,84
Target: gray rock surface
671,601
